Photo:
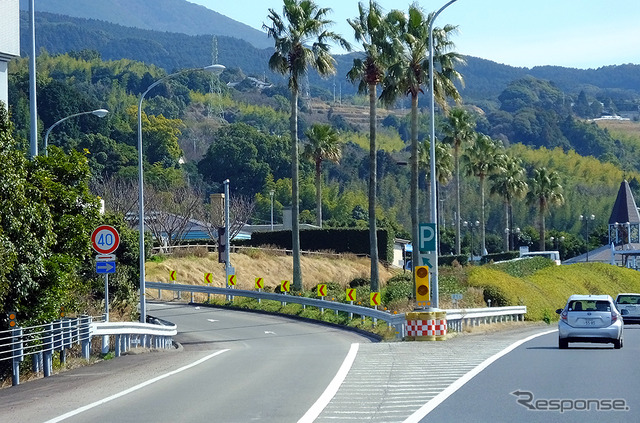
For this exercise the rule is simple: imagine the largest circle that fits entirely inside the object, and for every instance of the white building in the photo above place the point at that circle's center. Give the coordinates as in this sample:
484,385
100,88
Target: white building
9,42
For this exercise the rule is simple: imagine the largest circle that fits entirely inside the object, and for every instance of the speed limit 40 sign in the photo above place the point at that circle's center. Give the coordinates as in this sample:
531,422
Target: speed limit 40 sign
105,239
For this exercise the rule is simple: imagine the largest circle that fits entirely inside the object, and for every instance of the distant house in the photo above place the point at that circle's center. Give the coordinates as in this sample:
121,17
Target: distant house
9,42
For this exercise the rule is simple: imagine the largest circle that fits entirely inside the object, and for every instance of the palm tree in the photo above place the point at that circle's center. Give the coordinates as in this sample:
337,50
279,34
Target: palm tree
324,144
460,130
444,163
482,158
301,41
410,72
372,31
545,191
509,183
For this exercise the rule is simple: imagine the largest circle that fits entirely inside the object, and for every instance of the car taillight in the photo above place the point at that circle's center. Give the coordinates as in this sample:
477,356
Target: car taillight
563,315
614,317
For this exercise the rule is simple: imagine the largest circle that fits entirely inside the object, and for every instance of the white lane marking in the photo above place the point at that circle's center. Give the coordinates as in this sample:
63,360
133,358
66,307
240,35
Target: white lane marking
439,399
333,387
133,389
212,320
269,332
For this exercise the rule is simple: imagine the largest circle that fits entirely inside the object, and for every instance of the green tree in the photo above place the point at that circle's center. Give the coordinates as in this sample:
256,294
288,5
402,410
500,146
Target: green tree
372,31
244,155
509,183
410,71
301,41
459,131
545,191
482,158
46,218
324,144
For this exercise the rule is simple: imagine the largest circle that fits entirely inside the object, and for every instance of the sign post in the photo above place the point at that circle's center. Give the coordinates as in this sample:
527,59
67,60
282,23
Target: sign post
105,240
428,252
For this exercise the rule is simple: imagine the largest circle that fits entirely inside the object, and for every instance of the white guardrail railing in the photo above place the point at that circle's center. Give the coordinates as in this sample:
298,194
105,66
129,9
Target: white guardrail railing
42,341
457,319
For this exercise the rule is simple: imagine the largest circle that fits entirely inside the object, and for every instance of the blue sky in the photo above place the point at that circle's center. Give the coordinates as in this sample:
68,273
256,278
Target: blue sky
571,33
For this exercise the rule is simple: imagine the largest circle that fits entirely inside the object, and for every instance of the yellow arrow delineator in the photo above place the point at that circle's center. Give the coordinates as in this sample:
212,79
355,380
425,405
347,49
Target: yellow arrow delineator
208,277
231,280
374,298
285,286
173,275
259,283
351,294
322,290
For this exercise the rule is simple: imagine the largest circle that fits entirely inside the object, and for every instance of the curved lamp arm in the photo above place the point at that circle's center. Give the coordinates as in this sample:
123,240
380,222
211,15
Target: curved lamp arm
98,112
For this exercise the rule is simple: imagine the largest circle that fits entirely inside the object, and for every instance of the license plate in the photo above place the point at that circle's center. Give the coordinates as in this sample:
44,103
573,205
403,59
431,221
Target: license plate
589,322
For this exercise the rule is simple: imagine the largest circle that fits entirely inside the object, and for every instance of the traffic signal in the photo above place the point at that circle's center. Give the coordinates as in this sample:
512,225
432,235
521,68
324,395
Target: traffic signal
422,285
222,245
12,320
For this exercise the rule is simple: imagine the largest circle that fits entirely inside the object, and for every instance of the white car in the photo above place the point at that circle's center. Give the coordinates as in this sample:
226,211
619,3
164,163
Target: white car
631,303
590,318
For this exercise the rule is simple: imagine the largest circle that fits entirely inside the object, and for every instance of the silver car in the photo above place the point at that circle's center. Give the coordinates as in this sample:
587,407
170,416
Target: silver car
631,303
590,318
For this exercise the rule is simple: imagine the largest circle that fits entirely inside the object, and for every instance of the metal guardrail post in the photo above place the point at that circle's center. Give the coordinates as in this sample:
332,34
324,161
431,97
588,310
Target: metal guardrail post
118,347
85,336
47,360
17,348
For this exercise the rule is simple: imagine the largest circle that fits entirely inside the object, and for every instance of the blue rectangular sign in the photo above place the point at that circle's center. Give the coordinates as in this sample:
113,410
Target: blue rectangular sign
105,267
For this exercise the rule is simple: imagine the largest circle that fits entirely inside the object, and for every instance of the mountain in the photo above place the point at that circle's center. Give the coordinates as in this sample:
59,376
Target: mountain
485,80
159,15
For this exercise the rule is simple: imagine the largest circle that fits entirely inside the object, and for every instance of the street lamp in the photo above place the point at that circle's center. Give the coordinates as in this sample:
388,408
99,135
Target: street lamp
586,219
216,69
271,195
471,225
433,201
99,112
555,241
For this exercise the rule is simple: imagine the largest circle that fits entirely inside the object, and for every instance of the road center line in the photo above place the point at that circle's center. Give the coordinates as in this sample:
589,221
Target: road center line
439,399
333,387
133,389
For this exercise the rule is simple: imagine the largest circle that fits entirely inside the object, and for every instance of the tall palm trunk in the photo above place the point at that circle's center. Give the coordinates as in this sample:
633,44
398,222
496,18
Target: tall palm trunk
319,193
542,210
482,224
295,195
506,224
457,165
373,174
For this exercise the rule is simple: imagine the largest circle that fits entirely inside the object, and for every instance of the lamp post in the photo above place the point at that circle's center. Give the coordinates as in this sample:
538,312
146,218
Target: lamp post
433,201
271,195
98,112
216,69
556,241
470,225
586,219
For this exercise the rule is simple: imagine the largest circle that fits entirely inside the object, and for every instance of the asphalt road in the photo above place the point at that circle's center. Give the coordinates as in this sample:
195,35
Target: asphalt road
537,382
234,367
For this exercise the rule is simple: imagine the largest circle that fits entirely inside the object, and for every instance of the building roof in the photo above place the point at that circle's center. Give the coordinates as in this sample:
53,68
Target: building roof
624,209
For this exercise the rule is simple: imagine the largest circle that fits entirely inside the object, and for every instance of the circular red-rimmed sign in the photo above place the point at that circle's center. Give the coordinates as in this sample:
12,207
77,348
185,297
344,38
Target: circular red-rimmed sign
105,239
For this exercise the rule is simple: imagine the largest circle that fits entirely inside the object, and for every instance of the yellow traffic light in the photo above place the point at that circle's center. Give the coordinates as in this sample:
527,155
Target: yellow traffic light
422,284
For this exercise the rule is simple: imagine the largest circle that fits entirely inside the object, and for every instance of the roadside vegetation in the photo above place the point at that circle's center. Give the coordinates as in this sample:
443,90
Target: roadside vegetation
537,283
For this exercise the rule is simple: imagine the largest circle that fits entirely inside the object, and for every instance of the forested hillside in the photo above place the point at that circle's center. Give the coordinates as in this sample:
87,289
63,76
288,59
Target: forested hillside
177,16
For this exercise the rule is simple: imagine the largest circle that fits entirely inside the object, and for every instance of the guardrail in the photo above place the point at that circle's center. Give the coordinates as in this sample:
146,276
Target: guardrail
457,319
393,320
42,341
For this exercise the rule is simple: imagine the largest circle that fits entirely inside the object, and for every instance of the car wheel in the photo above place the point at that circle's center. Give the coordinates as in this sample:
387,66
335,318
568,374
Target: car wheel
563,344
617,343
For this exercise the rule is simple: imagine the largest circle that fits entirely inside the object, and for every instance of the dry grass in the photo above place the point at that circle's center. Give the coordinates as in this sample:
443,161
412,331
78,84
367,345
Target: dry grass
272,267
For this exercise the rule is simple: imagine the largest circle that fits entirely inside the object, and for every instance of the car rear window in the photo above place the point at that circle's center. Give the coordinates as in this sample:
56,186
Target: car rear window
628,299
589,305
